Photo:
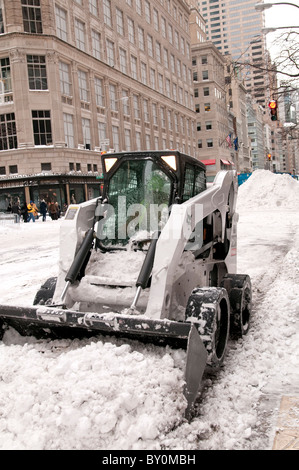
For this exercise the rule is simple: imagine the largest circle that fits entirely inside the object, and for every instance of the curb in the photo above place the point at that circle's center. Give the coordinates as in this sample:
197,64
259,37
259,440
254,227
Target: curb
287,428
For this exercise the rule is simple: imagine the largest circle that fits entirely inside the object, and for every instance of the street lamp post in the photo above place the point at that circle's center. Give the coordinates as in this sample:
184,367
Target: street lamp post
272,30
265,6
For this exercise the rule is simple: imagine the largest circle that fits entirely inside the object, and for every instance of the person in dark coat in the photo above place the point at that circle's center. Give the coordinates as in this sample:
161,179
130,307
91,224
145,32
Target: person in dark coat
16,209
24,212
43,209
53,211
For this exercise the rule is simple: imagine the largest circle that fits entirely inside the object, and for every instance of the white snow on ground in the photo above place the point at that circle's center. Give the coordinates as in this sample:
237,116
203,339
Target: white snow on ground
104,393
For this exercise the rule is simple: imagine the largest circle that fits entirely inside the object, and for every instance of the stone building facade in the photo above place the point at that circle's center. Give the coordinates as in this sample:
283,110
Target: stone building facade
80,77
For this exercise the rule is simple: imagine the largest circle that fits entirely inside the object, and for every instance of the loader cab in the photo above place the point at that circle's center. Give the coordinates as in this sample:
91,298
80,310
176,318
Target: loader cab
141,187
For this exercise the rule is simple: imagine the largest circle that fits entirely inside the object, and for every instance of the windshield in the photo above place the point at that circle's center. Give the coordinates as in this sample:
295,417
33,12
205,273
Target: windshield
138,200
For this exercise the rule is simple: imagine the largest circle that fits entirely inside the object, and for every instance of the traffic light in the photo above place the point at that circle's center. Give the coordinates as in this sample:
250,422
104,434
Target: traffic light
269,156
273,110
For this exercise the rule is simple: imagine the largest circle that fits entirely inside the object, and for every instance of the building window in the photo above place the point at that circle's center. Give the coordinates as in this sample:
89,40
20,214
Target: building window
134,67
143,73
204,60
199,144
37,72
163,118
141,38
93,7
150,49
83,86
136,107
139,7
113,101
158,52
86,133
71,166
146,111
197,108
198,126
99,91
160,83
154,114
115,137
107,12
80,34
153,79
78,166
42,129
102,132
2,170
209,142
65,80
207,107
61,23
1,24
125,100
195,77
138,141
208,125
205,75
8,132
156,19
13,169
96,44
46,166
123,60
32,18
5,81
68,122
206,91
147,11
127,139
131,32
119,22
110,53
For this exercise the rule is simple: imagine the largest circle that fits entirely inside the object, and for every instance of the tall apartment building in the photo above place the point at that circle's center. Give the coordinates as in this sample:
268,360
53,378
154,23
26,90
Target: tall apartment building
78,77
212,124
235,27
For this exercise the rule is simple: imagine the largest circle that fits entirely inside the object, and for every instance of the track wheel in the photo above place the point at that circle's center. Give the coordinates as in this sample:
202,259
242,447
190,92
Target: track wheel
45,294
240,295
209,309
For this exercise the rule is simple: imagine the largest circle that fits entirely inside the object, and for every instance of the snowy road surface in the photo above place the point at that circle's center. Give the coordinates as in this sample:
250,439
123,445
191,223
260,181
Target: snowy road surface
107,394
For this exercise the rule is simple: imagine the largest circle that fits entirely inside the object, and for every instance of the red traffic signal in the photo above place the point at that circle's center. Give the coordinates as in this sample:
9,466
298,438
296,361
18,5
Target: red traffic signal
269,156
272,104
273,109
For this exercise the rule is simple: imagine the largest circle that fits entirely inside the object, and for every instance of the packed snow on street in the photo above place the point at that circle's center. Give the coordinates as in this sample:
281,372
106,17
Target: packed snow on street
106,393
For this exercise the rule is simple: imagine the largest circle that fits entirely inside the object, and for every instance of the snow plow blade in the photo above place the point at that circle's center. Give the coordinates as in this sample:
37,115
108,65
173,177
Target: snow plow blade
42,321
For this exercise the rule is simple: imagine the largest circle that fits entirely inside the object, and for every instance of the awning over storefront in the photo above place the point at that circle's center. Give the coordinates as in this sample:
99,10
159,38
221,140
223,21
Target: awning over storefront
225,162
208,162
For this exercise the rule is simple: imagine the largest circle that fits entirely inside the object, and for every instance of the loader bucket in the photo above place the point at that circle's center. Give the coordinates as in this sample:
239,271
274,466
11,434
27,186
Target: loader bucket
46,321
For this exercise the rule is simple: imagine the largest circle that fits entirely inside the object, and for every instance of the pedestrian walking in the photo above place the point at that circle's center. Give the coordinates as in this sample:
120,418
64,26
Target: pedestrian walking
35,210
30,210
24,212
43,209
53,211
16,209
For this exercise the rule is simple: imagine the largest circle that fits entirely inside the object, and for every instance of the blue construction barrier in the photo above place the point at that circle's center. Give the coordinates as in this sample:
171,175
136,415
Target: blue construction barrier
242,177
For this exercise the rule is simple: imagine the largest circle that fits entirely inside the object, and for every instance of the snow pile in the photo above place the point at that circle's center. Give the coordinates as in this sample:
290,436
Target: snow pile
89,394
266,190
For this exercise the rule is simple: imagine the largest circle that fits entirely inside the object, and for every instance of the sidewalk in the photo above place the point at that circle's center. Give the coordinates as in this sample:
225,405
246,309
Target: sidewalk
287,428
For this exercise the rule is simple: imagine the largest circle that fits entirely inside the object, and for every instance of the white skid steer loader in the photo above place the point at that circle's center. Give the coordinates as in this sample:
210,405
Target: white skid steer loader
153,258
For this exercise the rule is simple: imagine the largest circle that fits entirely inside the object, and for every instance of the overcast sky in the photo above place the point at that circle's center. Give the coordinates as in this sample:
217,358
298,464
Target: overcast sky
280,15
